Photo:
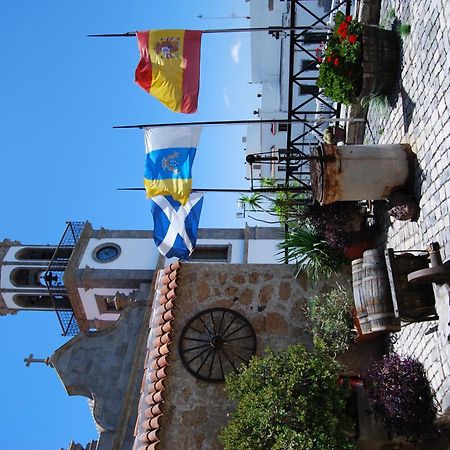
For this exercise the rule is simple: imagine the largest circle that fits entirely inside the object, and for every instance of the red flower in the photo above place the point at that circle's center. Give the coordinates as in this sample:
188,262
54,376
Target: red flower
336,61
348,19
329,58
343,30
342,27
319,59
352,38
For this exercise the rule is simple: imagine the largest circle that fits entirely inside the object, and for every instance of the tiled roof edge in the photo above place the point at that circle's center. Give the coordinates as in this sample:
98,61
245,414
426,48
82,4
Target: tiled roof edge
151,403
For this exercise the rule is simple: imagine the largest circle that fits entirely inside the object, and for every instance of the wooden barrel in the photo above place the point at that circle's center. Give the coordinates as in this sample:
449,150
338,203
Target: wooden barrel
381,60
376,293
358,297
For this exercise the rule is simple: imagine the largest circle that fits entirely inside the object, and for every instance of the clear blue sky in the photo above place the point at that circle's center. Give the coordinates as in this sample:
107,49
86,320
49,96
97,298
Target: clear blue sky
60,94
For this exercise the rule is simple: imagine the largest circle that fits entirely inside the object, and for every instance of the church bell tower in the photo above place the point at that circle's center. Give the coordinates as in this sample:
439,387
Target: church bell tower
87,279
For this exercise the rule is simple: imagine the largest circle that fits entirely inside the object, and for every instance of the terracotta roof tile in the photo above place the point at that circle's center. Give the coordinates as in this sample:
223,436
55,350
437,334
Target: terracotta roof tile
152,399
148,447
163,339
156,375
148,436
153,411
156,361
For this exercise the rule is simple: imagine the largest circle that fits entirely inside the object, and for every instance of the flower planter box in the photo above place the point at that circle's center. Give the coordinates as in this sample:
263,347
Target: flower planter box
381,61
358,61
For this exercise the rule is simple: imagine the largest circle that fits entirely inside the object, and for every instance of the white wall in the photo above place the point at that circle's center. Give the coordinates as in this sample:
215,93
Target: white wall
90,305
135,254
263,251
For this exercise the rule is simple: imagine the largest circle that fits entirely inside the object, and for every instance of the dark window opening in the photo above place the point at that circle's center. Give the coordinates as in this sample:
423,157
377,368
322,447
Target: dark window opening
309,64
314,38
42,301
43,253
308,89
210,253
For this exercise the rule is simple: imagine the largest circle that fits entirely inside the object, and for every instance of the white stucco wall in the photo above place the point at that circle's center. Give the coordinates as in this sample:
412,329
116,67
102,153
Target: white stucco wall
263,251
135,254
90,305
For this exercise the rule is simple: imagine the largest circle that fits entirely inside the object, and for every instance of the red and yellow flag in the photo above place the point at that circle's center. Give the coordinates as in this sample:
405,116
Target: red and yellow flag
169,67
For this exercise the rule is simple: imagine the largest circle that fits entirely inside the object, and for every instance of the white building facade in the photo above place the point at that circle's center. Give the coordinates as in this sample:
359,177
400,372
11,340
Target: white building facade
100,271
270,59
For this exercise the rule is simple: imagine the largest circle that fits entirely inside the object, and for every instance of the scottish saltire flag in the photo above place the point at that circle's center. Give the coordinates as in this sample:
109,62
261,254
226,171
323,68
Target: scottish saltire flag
169,68
176,225
170,152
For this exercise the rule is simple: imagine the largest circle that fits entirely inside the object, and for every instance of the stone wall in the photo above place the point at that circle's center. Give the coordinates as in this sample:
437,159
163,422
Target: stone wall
269,297
105,366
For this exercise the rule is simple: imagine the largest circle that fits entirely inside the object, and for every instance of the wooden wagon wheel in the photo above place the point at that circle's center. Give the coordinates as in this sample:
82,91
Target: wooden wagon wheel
215,342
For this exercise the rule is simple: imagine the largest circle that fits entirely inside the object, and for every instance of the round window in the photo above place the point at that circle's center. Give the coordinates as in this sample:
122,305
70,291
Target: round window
106,252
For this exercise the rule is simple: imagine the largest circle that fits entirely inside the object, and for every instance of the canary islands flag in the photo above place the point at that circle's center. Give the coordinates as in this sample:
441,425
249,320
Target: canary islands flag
170,152
176,225
169,67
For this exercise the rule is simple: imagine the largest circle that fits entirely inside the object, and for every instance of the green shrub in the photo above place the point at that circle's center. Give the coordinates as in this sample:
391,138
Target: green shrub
289,401
331,319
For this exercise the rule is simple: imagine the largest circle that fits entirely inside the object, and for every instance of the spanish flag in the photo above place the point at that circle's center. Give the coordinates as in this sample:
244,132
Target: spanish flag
169,67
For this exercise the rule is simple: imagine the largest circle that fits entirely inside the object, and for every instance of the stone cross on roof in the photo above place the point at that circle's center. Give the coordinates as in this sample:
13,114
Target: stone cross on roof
30,360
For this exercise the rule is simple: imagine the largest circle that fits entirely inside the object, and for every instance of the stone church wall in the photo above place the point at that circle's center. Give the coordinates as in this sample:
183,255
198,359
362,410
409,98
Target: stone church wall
269,297
104,366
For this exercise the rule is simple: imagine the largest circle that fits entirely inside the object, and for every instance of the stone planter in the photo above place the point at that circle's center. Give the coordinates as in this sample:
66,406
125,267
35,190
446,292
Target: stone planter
381,61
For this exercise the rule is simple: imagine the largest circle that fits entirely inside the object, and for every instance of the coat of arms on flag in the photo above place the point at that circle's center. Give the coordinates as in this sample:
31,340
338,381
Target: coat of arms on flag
170,152
176,225
169,67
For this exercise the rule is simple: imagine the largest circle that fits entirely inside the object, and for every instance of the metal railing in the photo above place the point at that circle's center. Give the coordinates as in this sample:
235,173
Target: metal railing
297,157
53,277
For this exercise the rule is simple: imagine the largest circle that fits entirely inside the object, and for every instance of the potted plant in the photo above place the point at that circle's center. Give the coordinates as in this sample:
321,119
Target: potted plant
310,253
401,395
341,224
330,315
288,401
358,61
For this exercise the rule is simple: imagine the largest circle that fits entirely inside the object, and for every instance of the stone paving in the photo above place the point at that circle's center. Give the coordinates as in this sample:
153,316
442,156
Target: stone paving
420,116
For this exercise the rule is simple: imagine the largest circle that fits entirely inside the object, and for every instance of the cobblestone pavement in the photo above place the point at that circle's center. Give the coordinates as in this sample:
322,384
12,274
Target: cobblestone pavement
421,117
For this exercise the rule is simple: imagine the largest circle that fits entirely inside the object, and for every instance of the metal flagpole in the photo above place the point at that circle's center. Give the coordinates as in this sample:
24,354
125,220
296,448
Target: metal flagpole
275,29
263,190
242,122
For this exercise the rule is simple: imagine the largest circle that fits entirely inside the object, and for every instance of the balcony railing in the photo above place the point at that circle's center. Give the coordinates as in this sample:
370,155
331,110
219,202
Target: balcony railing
54,278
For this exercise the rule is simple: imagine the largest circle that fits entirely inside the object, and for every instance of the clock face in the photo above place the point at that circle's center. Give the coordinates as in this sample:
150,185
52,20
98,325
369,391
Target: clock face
107,253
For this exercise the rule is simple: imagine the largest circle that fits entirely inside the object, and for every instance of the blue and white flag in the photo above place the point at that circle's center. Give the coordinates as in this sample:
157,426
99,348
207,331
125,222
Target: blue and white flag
176,225
170,153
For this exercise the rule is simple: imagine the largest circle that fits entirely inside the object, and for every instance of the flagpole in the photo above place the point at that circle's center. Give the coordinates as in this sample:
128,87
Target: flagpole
263,190
241,122
275,29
